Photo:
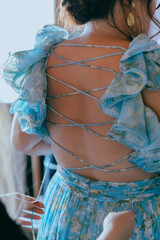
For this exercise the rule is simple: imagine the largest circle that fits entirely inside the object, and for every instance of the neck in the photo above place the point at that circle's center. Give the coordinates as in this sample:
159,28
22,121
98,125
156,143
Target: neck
106,27
102,29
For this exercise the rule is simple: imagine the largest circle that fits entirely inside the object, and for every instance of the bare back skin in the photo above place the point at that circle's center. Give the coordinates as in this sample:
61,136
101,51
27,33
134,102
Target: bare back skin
83,109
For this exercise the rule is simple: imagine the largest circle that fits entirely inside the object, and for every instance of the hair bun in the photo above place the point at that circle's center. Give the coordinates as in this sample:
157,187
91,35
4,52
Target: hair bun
83,10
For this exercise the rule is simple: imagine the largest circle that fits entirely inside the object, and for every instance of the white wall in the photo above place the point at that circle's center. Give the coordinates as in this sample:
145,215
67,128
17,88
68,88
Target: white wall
19,22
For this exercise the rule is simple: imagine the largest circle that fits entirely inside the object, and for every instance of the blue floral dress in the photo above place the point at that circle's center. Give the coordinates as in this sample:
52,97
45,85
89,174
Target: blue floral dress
75,205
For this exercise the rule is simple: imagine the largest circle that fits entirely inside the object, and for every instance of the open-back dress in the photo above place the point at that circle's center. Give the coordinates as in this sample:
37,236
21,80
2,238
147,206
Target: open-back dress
75,205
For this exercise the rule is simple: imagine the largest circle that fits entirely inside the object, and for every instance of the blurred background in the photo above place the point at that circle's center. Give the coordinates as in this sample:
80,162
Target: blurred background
20,20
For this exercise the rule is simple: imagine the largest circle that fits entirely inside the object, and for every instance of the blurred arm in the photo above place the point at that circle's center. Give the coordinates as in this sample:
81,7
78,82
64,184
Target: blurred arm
29,144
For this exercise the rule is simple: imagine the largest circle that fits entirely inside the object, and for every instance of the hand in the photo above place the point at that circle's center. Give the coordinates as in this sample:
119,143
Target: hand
25,215
118,226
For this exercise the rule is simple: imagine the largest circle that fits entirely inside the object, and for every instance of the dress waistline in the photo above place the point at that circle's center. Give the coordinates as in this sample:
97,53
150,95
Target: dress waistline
107,191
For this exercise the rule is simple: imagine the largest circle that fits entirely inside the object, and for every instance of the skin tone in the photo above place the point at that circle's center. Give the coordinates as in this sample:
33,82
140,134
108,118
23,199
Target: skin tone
25,215
28,204
28,144
33,144
103,29
98,31
118,226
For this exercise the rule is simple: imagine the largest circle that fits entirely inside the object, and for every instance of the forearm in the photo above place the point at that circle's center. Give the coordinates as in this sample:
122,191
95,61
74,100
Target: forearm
22,141
29,144
40,149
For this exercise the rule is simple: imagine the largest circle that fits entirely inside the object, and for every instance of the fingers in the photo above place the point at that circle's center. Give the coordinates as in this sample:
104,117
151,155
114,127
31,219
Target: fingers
29,200
34,210
28,223
36,205
23,222
29,214
39,204
26,217
33,213
26,199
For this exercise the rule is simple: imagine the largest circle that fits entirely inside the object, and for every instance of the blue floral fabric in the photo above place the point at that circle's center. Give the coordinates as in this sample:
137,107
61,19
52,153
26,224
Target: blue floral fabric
24,71
76,207
136,125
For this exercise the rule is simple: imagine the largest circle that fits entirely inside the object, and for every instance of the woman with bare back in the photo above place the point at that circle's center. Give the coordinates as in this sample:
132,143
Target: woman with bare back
93,101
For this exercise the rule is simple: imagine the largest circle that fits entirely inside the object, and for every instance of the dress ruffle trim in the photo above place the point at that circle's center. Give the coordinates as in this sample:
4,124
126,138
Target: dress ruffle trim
25,72
136,125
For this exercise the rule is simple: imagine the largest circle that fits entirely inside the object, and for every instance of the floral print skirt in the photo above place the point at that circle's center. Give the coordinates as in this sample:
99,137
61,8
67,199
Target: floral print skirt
76,206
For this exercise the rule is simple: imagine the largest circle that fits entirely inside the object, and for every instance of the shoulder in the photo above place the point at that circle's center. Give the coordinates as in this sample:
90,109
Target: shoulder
63,50
74,48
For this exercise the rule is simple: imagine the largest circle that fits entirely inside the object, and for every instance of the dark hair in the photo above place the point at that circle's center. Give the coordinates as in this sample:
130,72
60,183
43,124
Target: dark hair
83,11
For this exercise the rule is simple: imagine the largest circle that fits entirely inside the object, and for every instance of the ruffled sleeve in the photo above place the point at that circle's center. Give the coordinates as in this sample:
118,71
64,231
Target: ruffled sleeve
136,125
25,72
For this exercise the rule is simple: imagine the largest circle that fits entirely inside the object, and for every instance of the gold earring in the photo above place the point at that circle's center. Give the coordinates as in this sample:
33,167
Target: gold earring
130,18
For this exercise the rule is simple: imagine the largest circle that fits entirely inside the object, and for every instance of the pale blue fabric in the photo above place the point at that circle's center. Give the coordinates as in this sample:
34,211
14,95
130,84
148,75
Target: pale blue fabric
136,125
74,209
24,71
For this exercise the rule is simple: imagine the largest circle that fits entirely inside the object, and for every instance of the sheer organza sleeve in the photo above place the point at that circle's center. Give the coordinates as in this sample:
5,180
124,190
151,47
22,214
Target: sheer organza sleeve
25,72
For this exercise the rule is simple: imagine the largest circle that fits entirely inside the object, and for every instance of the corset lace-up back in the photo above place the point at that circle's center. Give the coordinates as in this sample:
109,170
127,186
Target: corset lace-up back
134,125
84,63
